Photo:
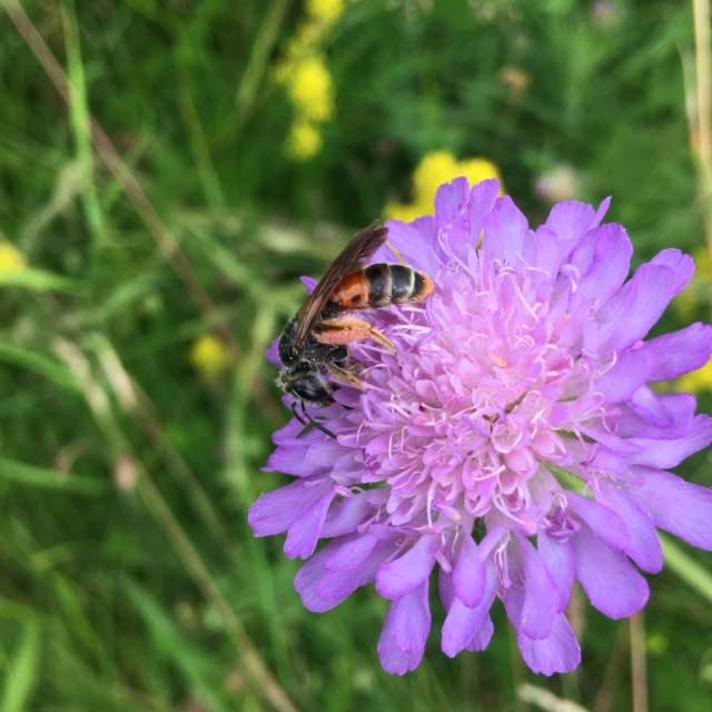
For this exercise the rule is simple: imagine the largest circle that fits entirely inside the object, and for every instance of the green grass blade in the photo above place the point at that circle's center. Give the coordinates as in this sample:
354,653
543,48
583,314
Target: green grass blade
23,670
42,478
39,364
687,568
171,643
38,280
81,119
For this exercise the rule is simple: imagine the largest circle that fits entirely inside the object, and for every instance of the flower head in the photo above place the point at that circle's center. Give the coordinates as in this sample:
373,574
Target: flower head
11,259
561,182
699,294
310,88
697,381
434,169
325,12
304,140
210,356
513,441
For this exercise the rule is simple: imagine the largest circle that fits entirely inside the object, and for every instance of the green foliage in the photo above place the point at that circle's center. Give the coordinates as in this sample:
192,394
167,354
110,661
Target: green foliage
129,578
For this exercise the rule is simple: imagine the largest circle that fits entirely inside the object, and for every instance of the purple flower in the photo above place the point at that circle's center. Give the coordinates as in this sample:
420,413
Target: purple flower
513,442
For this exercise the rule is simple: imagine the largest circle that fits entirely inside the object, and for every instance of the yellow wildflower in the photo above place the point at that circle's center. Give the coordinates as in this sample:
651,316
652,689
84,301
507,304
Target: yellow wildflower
304,140
478,169
434,169
326,12
11,259
697,381
406,212
311,90
700,290
210,356
306,41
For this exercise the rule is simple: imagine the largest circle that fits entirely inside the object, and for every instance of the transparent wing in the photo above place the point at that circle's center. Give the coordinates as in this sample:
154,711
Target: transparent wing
364,244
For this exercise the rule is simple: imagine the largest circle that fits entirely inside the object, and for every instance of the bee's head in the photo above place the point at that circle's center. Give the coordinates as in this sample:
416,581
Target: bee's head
303,382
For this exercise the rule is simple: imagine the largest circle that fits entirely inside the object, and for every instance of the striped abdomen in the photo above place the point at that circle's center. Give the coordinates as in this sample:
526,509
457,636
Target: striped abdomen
380,286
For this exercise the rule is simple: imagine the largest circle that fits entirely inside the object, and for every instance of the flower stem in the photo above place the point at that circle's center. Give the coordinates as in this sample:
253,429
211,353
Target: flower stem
638,663
687,568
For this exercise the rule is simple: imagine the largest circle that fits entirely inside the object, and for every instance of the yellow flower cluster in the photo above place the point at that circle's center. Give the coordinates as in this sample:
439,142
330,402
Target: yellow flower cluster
306,77
11,259
434,169
325,12
697,381
700,291
210,357
688,303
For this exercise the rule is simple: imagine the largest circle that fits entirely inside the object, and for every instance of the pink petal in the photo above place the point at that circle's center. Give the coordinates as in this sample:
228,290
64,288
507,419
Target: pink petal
349,553
663,453
682,266
462,629
304,534
559,652
273,353
559,559
601,211
480,641
451,204
643,542
632,370
571,220
409,241
680,352
540,594
610,264
679,507
630,314
321,589
611,582
482,200
345,516
293,461
274,512
396,578
309,283
406,631
604,522
469,574
505,231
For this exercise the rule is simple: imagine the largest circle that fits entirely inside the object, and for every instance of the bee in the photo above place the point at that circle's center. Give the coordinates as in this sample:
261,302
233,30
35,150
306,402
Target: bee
313,345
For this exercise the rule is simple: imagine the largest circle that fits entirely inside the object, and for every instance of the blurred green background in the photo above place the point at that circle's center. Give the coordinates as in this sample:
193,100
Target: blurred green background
143,275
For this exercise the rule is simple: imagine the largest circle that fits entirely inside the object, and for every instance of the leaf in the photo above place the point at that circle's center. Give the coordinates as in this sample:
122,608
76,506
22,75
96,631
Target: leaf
687,568
22,671
567,479
34,476
39,363
170,642
37,280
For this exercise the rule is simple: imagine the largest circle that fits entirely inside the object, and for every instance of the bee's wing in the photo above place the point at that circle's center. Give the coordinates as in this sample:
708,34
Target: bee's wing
365,243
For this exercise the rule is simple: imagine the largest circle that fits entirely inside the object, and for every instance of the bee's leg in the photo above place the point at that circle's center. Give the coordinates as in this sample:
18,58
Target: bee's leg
344,330
396,252
310,422
344,375
299,417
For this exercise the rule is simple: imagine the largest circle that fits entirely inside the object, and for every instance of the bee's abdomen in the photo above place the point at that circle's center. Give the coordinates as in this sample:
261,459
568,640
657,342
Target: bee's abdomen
382,285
